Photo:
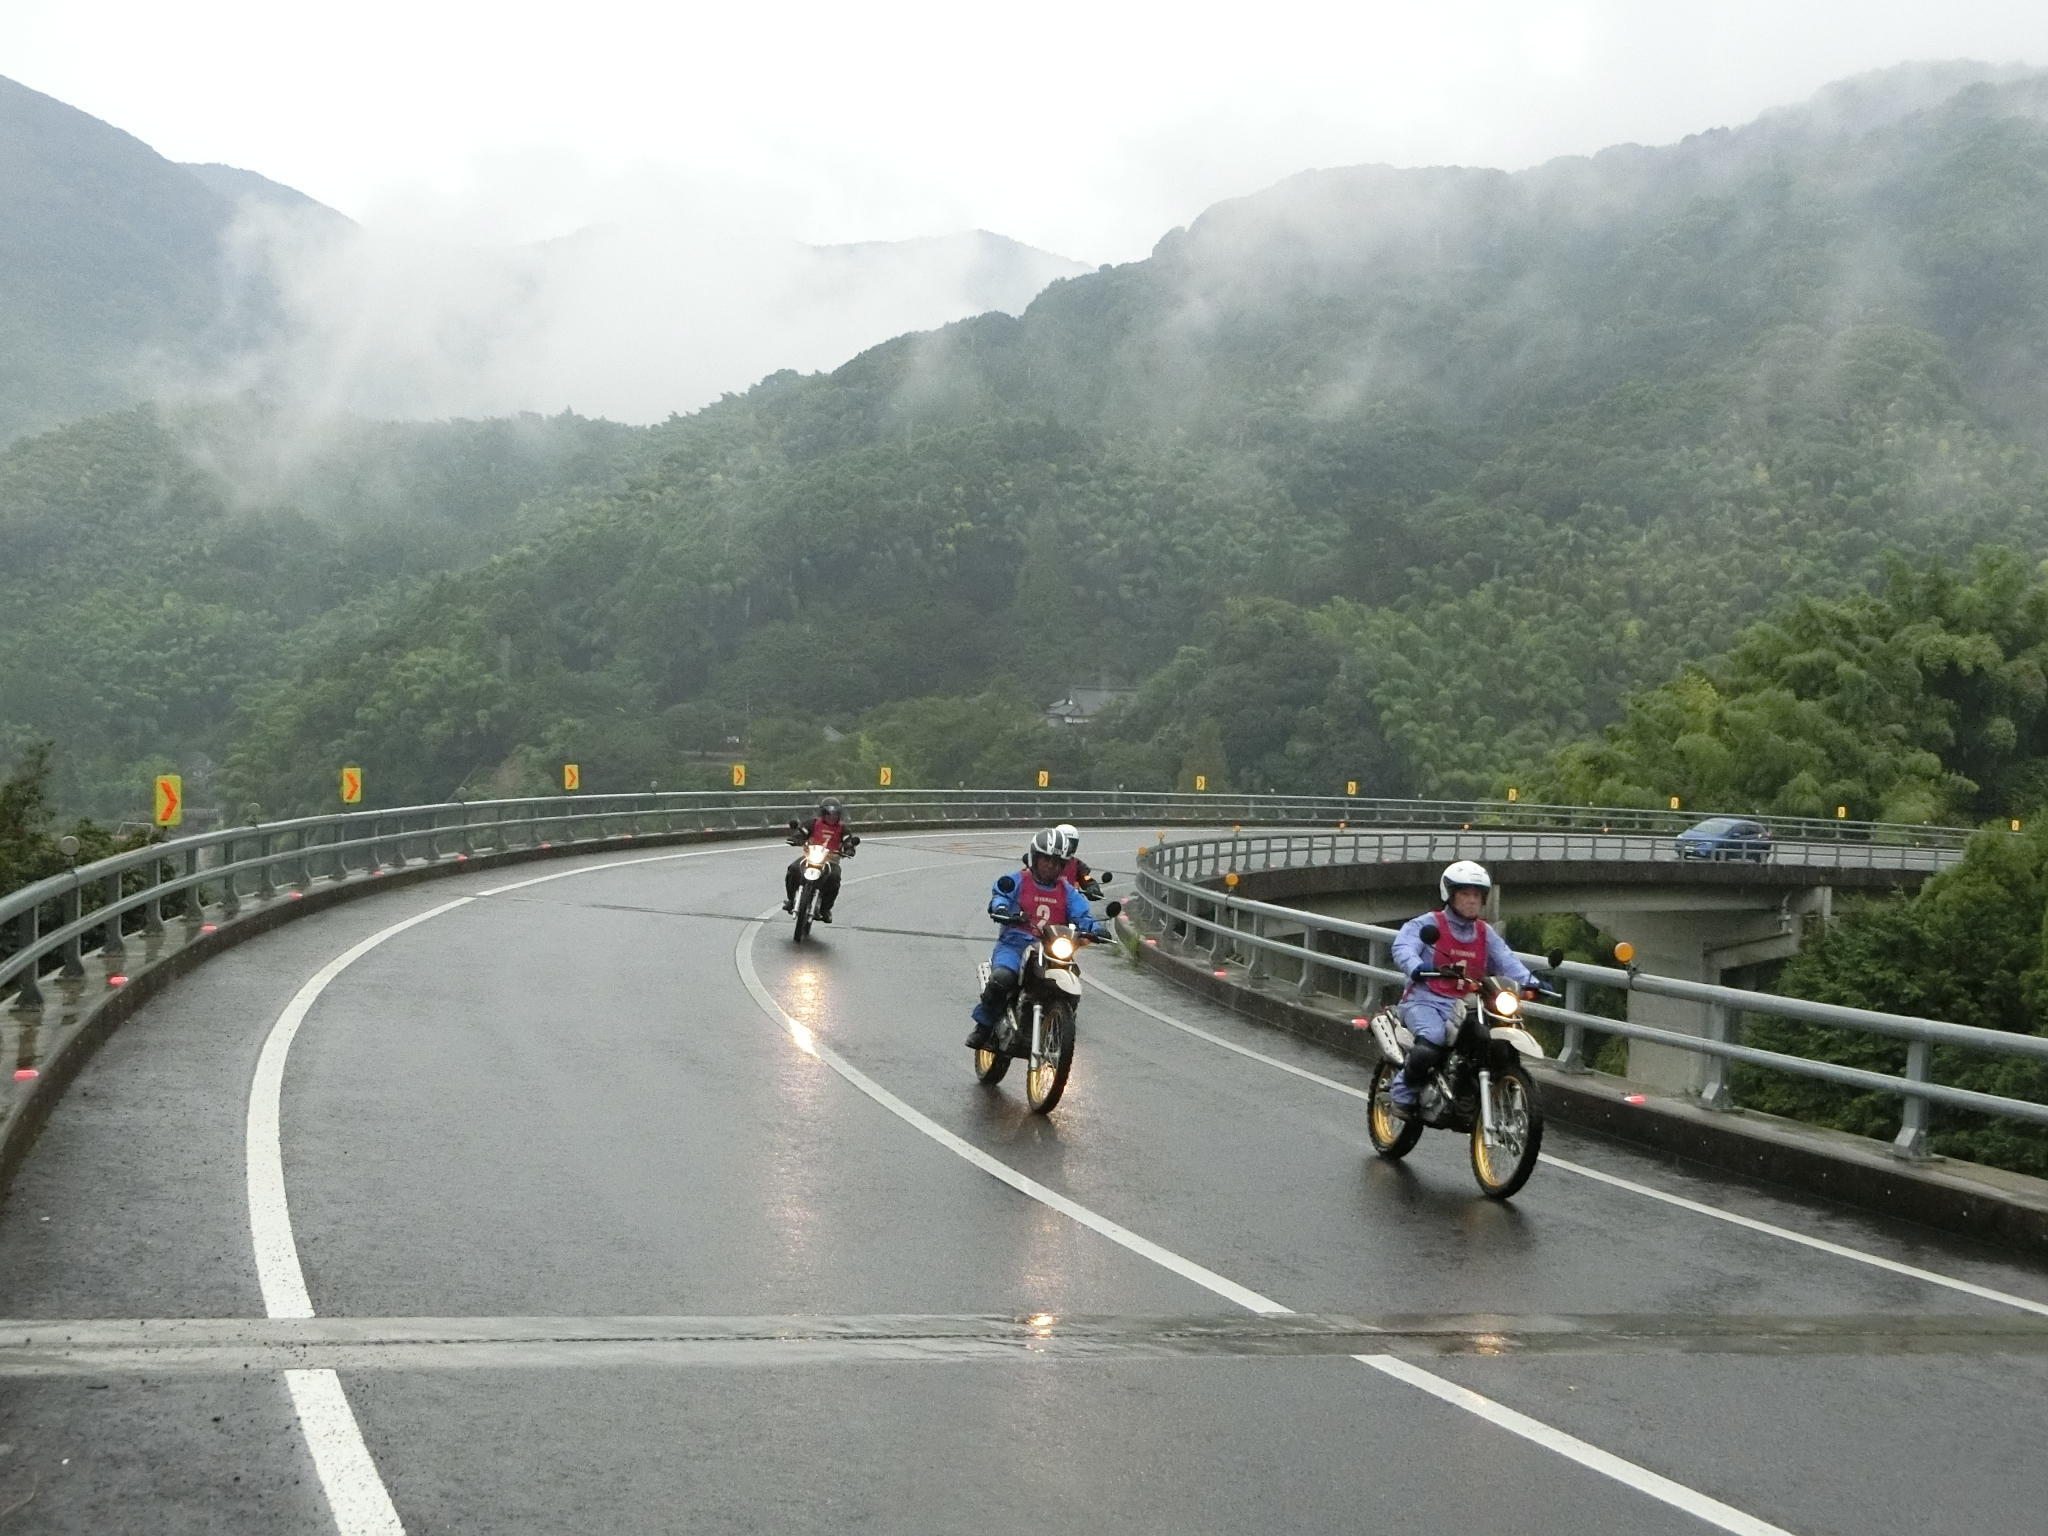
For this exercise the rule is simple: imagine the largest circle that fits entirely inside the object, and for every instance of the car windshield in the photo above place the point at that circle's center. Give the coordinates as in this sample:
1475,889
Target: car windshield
1715,826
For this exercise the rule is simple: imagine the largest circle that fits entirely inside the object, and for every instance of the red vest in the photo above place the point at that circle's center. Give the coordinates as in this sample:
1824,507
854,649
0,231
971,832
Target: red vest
1450,950
1041,903
830,833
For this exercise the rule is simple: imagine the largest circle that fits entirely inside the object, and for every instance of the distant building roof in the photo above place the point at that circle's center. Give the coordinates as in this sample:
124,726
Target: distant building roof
1083,704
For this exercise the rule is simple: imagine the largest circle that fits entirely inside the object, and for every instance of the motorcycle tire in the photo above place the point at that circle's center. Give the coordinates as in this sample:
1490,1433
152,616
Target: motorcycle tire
1045,1074
804,898
1393,1134
1518,1122
990,1066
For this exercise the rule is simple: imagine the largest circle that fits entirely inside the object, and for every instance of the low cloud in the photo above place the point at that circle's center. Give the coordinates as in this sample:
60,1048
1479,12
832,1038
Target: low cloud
661,308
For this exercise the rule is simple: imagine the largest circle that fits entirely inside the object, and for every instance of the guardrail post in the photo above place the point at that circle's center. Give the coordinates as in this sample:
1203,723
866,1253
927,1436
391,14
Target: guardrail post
153,909
1715,1092
1306,987
193,905
1571,1056
266,879
341,835
1258,969
1377,952
26,993
74,906
1911,1142
111,946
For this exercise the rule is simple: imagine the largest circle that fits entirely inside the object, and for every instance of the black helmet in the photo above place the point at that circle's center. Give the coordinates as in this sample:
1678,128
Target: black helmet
1046,845
830,810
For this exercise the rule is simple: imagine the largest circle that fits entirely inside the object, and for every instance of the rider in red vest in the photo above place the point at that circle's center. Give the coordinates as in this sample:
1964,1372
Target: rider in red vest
827,827
1466,944
1023,903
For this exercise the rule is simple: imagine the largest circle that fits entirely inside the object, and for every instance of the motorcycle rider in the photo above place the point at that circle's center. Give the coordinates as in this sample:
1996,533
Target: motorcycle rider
1076,873
827,827
1040,895
1429,1007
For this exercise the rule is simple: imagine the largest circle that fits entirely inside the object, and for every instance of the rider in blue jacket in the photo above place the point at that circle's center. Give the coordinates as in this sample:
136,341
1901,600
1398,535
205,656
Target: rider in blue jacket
1037,895
1429,1006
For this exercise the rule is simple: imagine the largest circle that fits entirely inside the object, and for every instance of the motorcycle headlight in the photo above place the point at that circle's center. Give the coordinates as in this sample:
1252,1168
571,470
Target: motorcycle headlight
1506,1004
1063,948
816,853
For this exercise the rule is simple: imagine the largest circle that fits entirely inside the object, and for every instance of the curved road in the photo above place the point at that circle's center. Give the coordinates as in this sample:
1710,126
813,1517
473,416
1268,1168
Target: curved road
591,1203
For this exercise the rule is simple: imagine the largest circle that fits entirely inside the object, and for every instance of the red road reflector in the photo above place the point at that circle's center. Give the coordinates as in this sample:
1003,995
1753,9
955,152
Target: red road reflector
295,895
462,858
24,1074
117,981
1152,941
1220,971
1361,1023
547,845
1637,1098
209,927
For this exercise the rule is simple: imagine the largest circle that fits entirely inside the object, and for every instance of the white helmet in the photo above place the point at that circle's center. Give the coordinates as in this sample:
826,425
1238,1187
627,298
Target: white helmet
1464,872
1070,838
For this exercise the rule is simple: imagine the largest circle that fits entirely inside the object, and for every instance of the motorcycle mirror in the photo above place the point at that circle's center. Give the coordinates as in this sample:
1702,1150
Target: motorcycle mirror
1007,885
1104,878
1112,909
1430,933
794,827
1556,958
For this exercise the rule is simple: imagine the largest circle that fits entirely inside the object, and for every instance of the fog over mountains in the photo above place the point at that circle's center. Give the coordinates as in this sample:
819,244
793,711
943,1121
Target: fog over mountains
131,277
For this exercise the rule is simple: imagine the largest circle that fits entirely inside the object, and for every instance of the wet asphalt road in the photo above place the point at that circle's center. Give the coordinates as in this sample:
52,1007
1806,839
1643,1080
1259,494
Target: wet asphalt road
563,1103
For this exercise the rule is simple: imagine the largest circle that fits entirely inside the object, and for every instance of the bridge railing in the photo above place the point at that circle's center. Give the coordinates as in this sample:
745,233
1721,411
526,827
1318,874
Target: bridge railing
52,922
1178,882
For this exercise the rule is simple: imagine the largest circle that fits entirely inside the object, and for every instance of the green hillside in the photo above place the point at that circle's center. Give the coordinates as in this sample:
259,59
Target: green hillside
1477,453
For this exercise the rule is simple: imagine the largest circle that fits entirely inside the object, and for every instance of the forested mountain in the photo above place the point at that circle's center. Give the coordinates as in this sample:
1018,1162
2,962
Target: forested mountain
1402,475
1405,476
157,564
111,256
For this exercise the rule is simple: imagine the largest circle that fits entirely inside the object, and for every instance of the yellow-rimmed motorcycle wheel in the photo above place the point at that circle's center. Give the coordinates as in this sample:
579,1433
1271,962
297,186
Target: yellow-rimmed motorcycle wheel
1505,1167
1393,1133
989,1066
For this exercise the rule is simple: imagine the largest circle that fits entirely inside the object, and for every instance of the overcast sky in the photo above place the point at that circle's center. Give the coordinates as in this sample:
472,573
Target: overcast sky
1088,127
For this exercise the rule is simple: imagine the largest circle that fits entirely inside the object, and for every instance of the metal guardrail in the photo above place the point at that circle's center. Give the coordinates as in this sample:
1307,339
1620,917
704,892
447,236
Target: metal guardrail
130,891
1250,851
1169,880
52,922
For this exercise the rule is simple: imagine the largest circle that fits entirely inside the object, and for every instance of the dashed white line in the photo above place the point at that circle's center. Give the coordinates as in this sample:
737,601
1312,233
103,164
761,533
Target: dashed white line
1699,1505
1699,1208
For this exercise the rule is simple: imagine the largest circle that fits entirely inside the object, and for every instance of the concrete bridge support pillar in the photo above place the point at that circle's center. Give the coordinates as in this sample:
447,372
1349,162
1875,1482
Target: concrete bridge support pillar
1696,946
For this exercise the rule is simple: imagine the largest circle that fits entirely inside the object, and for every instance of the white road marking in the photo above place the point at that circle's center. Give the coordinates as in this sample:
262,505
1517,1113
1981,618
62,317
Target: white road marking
1572,1448
1641,1479
1786,1234
356,1495
808,1042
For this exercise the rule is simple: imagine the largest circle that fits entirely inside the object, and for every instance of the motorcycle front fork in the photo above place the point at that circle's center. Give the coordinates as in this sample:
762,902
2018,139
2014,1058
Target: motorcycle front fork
1486,1107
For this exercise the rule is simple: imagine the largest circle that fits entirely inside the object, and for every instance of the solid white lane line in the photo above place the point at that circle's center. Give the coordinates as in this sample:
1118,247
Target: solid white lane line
807,1041
1572,1448
1641,1479
1821,1244
1699,1208
356,1495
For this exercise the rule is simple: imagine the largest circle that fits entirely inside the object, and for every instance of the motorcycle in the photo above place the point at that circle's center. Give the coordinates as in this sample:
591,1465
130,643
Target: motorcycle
1037,1027
1481,1089
817,860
